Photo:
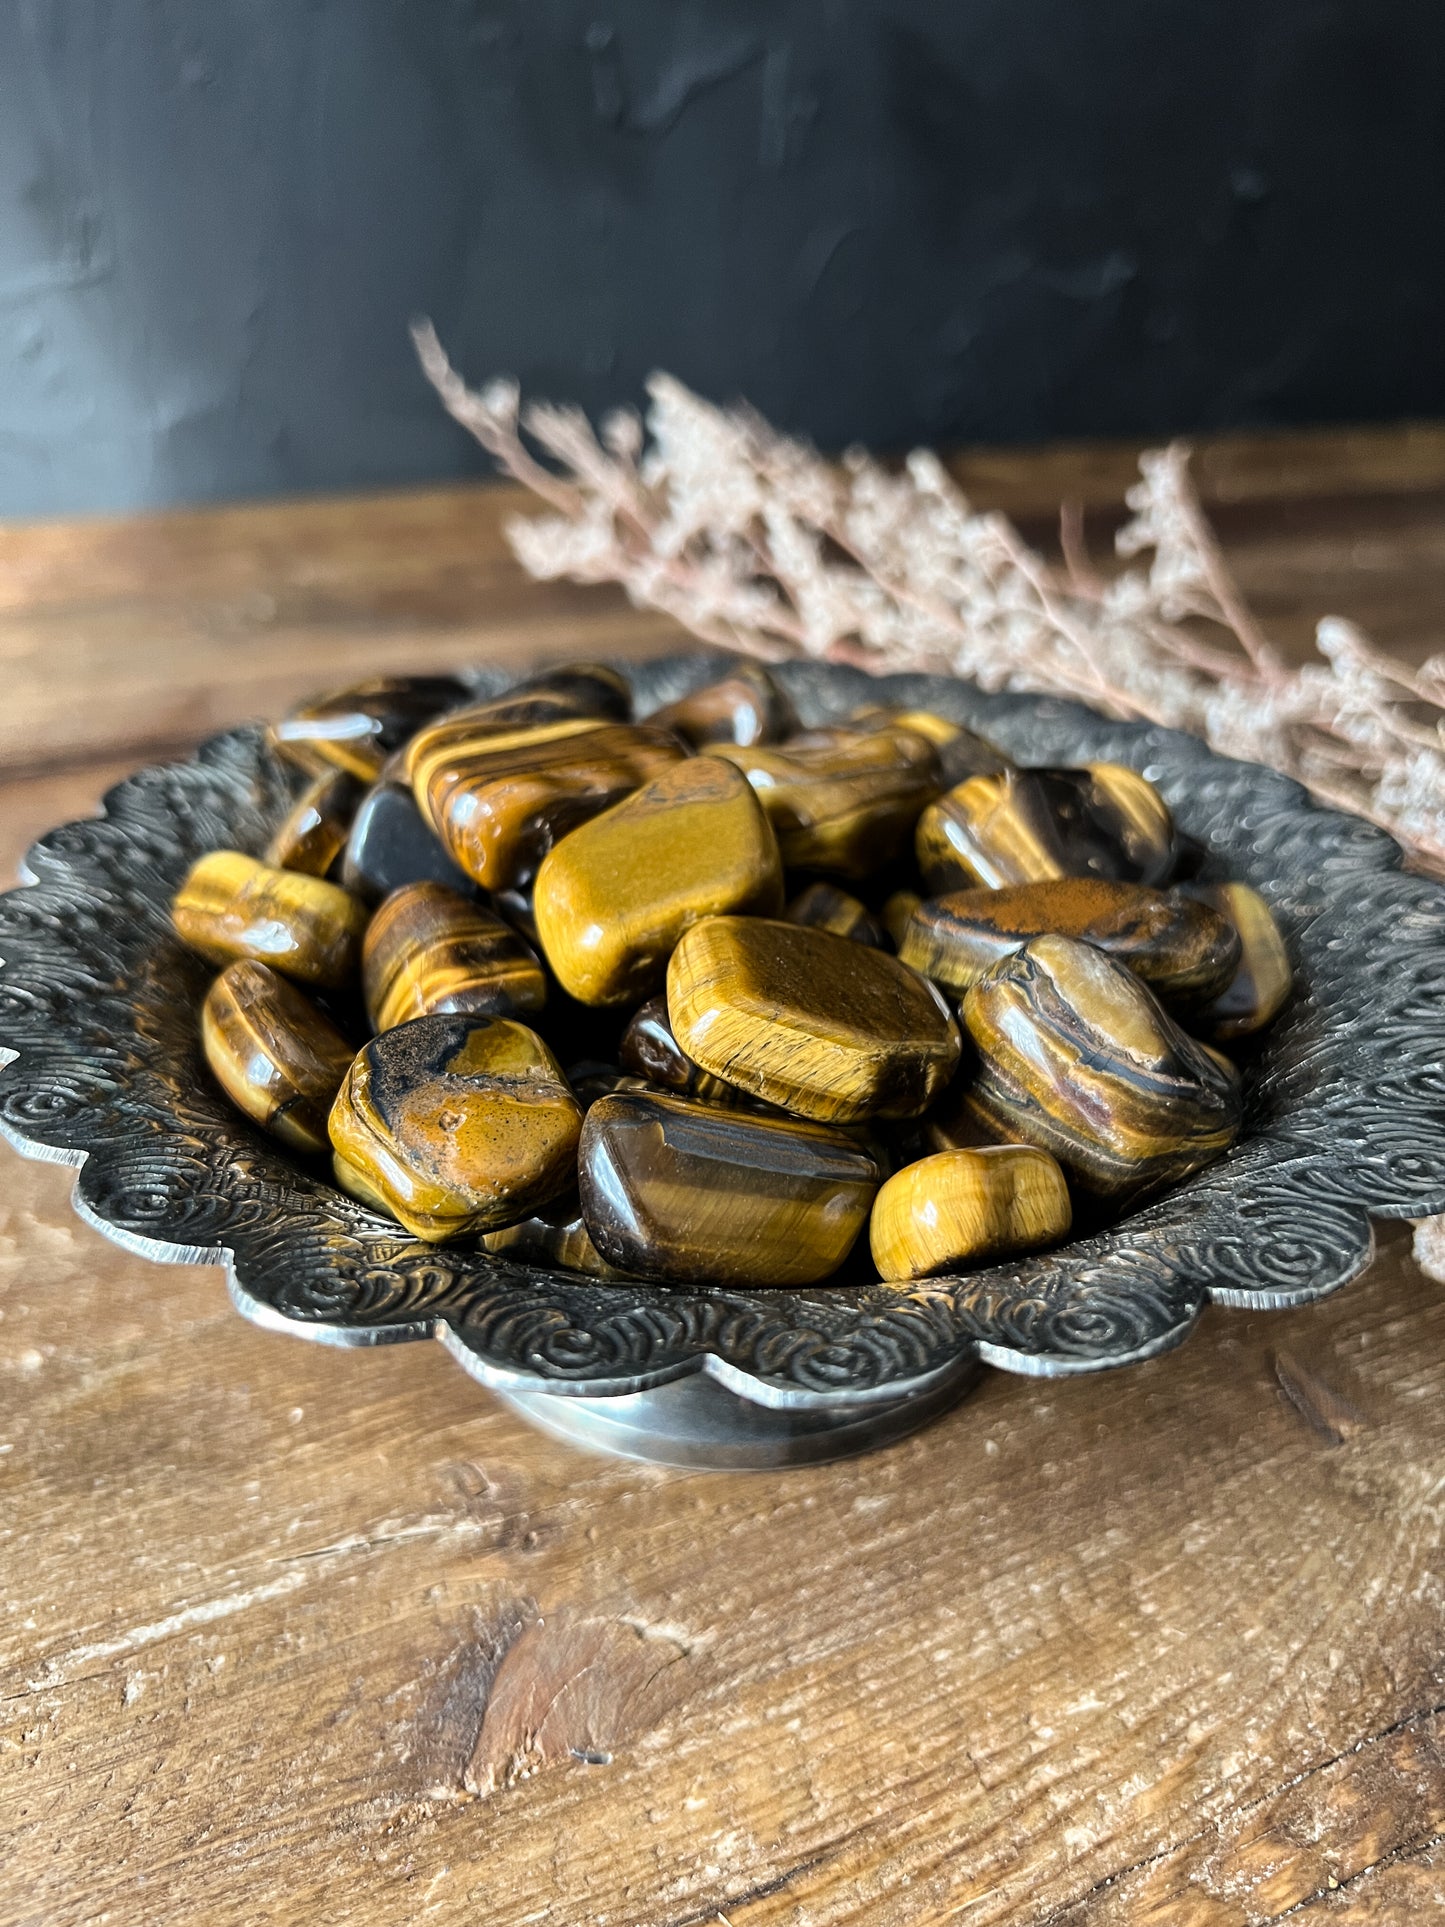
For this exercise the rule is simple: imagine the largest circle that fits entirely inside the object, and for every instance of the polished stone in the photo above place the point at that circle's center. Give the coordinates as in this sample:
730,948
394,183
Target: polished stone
746,706
613,898
455,1125
500,802
556,1235
896,911
1182,949
823,906
1035,825
811,1022
650,1051
686,1193
316,826
1078,1057
428,951
845,804
232,906
595,688
391,845
273,1053
961,753
961,1208
356,729
1261,985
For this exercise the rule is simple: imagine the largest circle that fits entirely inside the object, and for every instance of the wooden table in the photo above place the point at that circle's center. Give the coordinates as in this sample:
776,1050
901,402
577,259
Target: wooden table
296,1634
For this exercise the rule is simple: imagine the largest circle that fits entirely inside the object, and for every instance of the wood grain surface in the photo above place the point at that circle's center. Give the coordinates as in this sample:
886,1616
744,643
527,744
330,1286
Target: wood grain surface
297,1634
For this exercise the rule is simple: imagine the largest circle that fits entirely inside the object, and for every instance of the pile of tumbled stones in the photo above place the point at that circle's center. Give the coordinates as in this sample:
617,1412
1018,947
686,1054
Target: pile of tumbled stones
693,998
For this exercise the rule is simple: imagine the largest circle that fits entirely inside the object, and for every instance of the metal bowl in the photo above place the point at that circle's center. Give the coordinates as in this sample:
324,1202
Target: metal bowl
1345,1117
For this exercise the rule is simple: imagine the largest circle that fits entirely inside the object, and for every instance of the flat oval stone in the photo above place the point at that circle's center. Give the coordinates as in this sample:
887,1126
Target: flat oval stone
1035,825
683,1192
316,826
232,906
1262,982
1182,949
968,1208
650,1051
613,898
822,906
455,1125
809,1021
273,1053
961,753
845,805
356,729
390,845
554,1235
1078,1057
500,803
746,706
429,951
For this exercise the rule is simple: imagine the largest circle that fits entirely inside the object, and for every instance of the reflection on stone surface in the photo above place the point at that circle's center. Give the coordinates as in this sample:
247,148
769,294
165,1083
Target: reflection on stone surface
809,1021
273,1053
968,1207
746,706
314,832
356,729
677,1190
1261,984
428,950
390,845
232,906
1034,825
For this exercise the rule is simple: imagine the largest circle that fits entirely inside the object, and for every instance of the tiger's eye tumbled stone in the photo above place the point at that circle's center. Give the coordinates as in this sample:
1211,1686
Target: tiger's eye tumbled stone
455,1124
844,806
1261,984
746,706
896,912
967,1208
428,950
595,687
822,906
650,1051
809,1021
1035,825
233,906
316,826
390,845
554,1235
1077,1057
681,1191
273,1053
961,753
1182,949
613,898
500,803
356,729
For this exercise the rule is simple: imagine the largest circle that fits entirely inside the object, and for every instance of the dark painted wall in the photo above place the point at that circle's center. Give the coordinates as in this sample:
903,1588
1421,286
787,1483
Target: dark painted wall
882,219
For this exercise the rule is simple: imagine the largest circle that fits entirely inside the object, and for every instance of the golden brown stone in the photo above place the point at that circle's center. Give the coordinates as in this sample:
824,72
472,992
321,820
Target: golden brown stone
809,1021
683,1192
823,906
1261,984
967,1208
316,826
553,1235
650,1051
1035,825
356,729
429,951
273,1053
961,753
896,912
499,802
746,706
1078,1057
233,906
1182,949
844,805
455,1125
613,898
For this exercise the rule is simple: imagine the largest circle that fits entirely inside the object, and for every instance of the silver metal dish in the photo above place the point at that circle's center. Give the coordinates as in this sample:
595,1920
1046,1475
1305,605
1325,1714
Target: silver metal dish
1345,1117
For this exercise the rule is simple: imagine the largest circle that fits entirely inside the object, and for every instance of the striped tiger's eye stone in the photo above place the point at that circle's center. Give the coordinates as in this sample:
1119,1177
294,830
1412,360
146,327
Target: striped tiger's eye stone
809,1021
613,898
746,706
1035,825
1077,1057
316,826
501,717
961,753
390,846
822,906
680,1191
455,1125
967,1208
1182,949
232,906
650,1051
356,729
500,803
594,687
273,1053
896,912
429,951
555,1235
1262,982
844,805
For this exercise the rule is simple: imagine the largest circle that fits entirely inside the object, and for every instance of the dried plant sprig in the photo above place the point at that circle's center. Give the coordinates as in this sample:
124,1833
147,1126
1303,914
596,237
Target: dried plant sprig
754,541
